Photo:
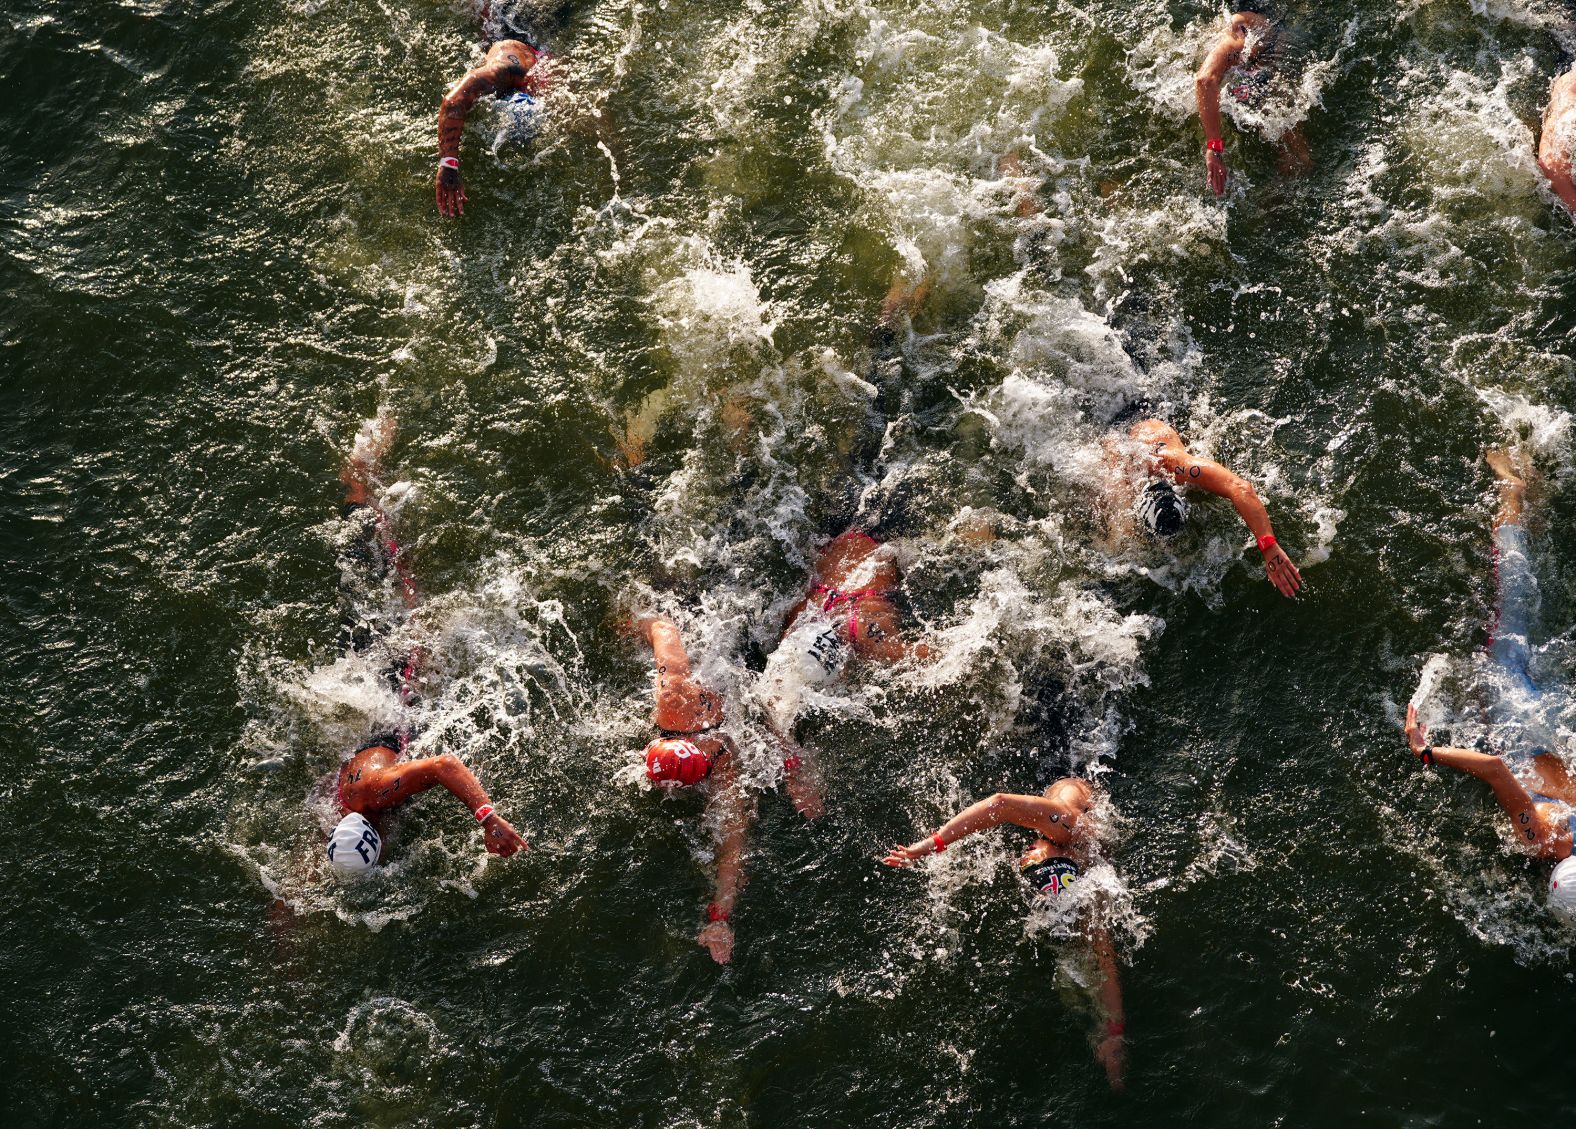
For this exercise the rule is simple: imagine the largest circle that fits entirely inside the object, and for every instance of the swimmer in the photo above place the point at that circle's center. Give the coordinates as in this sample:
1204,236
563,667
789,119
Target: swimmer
1162,511
1244,60
514,72
1532,784
1559,136
850,612
375,779
1052,864
692,751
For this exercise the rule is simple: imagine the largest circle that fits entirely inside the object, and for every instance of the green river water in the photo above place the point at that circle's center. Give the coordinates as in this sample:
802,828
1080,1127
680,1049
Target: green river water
221,255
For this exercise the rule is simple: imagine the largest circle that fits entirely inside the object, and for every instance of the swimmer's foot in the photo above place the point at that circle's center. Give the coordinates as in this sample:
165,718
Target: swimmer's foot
631,446
365,462
1508,470
1504,466
736,420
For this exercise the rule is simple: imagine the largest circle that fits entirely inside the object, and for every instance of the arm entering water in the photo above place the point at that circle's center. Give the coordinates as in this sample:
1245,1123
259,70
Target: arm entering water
731,808
1209,475
379,789
1111,1051
1036,813
1206,93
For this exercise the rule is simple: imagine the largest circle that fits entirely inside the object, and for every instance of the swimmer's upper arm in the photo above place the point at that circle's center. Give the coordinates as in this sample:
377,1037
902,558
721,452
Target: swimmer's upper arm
476,84
1035,813
1219,60
384,788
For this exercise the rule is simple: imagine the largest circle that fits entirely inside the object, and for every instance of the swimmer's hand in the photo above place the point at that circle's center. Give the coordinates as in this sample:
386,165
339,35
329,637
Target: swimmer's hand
1112,1054
902,856
499,838
450,191
1282,573
1416,732
717,939
1215,168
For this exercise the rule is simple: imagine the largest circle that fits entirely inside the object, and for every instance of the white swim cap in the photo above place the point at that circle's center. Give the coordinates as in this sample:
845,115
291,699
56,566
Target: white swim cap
353,847
1562,891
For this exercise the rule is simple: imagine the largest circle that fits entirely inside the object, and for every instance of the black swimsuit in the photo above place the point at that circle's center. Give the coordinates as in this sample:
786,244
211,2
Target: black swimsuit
1050,877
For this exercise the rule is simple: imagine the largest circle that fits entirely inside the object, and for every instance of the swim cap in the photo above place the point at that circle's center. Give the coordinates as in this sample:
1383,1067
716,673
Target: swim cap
671,761
1161,510
354,845
1562,891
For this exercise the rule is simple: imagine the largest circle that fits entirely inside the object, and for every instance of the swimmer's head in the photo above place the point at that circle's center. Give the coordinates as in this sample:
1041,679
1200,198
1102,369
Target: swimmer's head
1256,7
1562,891
354,846
676,762
1160,510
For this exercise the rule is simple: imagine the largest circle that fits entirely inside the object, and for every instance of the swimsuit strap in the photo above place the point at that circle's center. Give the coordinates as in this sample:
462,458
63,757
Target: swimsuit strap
835,597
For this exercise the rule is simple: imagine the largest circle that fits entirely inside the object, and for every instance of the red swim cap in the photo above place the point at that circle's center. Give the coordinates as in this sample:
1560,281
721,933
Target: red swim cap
673,761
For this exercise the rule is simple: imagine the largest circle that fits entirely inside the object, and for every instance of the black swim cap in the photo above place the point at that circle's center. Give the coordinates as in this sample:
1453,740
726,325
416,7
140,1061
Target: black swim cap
1161,510
1254,6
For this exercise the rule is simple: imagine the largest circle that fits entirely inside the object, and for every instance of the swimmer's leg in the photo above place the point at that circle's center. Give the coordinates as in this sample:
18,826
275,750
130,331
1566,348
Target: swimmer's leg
1517,586
1512,486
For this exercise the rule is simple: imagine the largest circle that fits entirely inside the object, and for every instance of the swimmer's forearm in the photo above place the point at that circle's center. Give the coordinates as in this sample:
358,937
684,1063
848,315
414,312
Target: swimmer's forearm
1245,500
1206,93
734,822
990,812
451,127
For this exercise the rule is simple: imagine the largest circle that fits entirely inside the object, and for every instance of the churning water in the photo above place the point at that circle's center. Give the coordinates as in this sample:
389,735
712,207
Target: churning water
222,255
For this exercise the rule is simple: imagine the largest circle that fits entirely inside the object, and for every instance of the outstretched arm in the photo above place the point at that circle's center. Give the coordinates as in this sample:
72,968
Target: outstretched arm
1211,476
477,84
1532,831
1206,92
731,809
1035,813
384,788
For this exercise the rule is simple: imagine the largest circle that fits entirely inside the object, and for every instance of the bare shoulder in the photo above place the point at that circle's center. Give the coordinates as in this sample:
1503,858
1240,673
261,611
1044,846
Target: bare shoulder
512,56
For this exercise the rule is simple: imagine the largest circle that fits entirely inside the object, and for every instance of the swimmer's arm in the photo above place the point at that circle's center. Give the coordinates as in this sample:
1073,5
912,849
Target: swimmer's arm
889,649
389,787
1532,831
1209,475
1111,1052
1206,93
731,810
476,85
1556,166
1033,812
1206,83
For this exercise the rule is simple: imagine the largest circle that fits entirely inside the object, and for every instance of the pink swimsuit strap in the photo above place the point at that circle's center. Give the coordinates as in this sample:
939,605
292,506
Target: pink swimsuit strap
835,597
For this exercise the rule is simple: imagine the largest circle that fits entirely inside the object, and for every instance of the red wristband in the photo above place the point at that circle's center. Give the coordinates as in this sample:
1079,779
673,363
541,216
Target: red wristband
449,163
1114,1030
483,813
714,912
936,839
1216,145
791,764
1267,542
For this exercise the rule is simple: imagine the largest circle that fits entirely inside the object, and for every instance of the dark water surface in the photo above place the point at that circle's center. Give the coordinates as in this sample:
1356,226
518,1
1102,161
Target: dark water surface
221,255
